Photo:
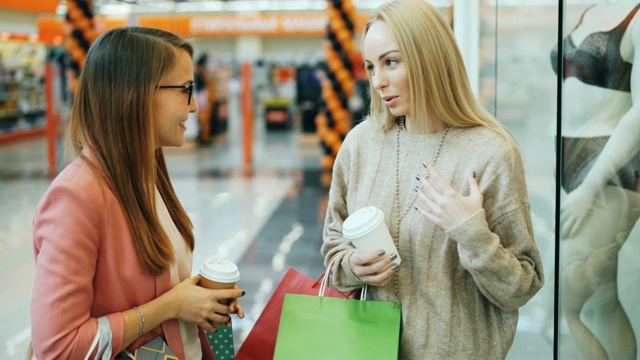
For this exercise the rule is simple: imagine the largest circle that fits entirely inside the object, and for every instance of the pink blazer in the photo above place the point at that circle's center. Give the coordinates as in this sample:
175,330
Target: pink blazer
87,267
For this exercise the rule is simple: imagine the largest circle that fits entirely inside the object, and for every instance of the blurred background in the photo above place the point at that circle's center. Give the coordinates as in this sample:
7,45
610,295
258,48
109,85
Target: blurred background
279,83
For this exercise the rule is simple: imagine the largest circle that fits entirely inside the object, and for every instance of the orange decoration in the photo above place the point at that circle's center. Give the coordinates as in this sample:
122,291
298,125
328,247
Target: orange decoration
77,54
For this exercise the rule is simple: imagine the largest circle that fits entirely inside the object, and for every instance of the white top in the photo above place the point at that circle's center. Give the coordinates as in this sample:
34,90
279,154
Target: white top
180,270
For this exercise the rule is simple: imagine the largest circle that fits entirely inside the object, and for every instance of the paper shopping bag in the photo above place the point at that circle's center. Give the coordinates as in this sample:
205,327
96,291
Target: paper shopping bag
318,327
261,341
221,342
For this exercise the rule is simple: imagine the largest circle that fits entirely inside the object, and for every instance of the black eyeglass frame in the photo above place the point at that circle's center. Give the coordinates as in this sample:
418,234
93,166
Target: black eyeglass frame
189,88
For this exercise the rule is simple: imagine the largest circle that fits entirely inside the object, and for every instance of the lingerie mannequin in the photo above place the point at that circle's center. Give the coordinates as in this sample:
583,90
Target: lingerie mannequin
601,162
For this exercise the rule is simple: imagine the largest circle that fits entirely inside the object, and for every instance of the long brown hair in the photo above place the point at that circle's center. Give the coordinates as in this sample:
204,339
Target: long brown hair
437,76
112,117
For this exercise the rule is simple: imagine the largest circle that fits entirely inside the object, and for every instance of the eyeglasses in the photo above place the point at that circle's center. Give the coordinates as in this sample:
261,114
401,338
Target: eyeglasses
188,89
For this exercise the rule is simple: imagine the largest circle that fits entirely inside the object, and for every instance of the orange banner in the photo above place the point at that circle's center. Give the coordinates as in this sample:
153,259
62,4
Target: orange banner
52,29
245,25
211,25
36,6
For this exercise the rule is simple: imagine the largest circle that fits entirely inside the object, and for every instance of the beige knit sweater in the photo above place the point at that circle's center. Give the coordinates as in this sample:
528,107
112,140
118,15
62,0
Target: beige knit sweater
460,290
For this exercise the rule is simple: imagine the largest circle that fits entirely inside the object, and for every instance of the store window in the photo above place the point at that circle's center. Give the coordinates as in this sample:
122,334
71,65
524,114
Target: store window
518,85
600,204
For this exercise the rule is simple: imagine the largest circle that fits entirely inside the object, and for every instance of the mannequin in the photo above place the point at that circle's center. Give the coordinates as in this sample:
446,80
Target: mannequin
601,162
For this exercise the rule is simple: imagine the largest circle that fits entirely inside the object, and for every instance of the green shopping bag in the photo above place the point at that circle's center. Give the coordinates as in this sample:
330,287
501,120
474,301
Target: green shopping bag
318,327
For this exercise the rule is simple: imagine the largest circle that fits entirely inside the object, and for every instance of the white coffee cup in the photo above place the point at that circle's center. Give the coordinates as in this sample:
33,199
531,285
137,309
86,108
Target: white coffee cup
367,231
219,274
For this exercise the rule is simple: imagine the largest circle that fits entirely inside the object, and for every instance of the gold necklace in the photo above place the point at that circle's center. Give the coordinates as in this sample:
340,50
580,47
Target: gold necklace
397,202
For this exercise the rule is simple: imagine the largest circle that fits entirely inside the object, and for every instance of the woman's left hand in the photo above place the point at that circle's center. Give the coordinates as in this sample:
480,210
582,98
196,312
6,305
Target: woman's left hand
235,308
441,204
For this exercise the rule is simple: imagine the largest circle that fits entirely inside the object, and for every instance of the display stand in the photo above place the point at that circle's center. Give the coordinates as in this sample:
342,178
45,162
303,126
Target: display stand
22,99
277,114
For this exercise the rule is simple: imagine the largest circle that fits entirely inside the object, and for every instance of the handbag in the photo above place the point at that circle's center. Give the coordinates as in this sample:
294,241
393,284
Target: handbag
320,327
221,343
261,341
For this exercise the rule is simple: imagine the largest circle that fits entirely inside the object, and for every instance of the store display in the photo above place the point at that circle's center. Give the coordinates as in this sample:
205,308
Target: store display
22,98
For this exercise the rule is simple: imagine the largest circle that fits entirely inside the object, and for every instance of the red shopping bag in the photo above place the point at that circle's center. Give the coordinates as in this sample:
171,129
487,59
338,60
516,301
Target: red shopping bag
261,342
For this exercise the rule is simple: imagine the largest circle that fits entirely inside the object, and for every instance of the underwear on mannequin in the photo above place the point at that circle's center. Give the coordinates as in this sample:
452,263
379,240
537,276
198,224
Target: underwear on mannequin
579,155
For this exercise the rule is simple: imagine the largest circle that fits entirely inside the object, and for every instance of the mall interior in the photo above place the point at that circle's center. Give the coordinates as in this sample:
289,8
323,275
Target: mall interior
254,172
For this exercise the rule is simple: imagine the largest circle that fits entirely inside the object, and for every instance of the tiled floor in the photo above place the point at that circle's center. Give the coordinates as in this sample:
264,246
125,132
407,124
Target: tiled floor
266,221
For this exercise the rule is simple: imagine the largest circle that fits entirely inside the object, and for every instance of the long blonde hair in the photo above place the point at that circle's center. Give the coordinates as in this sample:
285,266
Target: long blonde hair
436,72
112,117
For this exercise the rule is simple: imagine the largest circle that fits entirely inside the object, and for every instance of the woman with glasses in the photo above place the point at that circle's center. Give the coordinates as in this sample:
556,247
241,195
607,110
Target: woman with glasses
113,245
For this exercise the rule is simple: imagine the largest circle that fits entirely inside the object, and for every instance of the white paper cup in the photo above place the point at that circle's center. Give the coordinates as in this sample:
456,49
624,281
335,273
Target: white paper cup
219,274
367,231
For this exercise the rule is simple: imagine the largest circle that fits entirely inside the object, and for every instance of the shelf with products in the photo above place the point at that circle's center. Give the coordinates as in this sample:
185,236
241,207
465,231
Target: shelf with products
22,96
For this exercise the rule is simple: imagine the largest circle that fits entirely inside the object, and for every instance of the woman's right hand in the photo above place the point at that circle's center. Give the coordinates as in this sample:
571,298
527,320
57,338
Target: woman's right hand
202,306
374,267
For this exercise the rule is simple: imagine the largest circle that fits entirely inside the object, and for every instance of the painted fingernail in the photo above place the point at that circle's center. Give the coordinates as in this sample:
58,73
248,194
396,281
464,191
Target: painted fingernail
394,267
416,188
474,174
243,293
424,163
394,256
418,177
415,207
381,252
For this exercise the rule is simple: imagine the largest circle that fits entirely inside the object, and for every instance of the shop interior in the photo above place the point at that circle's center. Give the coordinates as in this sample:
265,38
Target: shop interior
255,170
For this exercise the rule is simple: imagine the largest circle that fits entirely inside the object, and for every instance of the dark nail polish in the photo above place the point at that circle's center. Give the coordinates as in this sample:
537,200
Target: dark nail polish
474,174
243,293
394,267
394,256
416,188
418,177
415,207
424,163
381,252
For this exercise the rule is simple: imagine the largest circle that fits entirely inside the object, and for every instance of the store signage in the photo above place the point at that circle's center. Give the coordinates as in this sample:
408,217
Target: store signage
212,25
244,25
35,6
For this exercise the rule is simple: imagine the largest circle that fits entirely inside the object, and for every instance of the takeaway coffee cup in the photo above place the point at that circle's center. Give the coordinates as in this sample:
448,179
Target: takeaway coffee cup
219,274
367,231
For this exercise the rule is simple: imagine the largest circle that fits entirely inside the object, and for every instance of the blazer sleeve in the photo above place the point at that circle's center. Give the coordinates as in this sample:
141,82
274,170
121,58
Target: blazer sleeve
67,233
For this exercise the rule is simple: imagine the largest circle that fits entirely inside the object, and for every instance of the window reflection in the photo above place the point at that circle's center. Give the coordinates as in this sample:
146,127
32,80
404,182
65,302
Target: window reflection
601,165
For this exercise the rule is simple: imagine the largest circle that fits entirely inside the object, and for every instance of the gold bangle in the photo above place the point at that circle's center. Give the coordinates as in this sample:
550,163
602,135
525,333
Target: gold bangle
140,321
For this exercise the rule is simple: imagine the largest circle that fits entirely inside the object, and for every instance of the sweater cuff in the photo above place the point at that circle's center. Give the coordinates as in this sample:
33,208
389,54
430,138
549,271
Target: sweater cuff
473,234
349,279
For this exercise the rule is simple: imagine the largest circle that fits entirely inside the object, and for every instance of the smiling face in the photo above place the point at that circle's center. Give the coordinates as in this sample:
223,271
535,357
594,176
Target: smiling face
171,107
386,68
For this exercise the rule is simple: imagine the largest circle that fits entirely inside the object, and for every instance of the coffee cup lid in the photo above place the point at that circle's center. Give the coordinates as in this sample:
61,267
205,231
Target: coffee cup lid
361,222
220,270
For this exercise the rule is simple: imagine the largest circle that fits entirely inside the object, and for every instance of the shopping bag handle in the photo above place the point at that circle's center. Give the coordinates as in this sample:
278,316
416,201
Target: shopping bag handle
320,279
325,282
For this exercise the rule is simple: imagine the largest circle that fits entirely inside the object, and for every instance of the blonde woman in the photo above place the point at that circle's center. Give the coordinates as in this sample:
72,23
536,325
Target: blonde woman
450,182
113,246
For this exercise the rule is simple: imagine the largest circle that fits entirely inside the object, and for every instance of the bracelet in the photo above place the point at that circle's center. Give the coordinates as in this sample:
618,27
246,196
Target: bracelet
140,321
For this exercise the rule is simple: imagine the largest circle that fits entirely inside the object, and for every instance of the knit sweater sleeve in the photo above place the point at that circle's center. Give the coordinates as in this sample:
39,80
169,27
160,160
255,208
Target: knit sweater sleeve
335,246
496,245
